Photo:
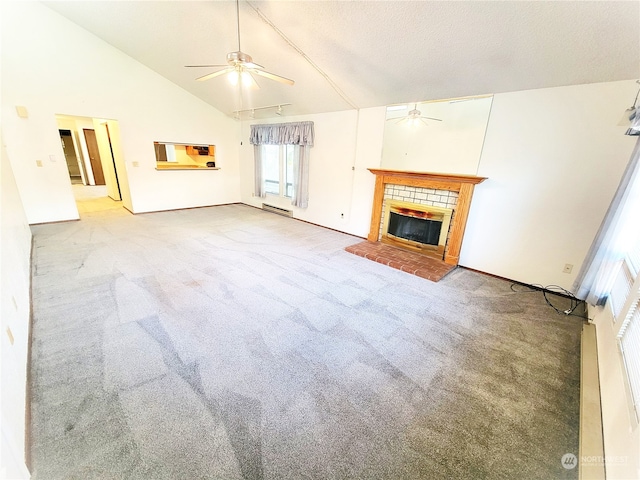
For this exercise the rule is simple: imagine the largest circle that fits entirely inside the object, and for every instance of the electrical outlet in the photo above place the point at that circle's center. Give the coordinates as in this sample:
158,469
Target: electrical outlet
135,164
567,268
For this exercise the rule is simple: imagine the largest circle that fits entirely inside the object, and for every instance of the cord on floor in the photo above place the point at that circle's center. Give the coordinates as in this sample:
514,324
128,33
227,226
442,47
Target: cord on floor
535,287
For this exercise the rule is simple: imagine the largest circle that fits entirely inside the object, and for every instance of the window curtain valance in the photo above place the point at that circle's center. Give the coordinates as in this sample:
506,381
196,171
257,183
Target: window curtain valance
293,133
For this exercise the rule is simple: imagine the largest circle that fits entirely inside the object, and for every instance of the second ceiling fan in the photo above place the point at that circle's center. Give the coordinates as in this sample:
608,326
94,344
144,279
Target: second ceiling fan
414,116
240,66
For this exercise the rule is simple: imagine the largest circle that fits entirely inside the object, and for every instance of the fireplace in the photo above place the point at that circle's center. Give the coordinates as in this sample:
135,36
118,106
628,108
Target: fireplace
417,227
447,191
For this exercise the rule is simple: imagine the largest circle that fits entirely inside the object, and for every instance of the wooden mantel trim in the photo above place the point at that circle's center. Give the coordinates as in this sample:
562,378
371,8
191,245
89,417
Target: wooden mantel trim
463,184
425,176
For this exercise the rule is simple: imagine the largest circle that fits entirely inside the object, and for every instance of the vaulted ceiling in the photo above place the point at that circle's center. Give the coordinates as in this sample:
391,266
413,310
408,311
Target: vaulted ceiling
357,54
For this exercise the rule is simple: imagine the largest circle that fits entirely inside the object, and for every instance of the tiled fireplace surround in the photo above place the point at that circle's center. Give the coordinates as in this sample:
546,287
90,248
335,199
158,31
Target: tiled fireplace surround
440,190
420,196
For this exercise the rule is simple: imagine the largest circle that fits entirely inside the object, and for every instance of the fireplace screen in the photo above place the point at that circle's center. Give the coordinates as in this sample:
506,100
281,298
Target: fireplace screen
419,230
423,228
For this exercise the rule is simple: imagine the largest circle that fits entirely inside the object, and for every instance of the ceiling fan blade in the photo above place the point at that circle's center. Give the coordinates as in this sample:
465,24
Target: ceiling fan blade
273,76
431,118
214,74
207,66
251,65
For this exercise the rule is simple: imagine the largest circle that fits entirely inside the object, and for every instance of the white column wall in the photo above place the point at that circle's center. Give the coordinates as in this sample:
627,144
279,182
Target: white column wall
15,251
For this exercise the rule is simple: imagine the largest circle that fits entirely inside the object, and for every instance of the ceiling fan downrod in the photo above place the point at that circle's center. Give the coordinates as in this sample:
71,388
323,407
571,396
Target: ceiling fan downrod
238,22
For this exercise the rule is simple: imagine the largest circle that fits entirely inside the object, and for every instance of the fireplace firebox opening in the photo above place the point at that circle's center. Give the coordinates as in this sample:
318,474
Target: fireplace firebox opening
421,228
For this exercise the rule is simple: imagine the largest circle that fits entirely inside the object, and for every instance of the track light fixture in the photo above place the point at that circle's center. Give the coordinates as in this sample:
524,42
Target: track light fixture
237,114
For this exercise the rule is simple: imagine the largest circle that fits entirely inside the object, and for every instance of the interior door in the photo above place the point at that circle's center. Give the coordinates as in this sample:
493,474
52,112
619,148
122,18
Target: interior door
94,155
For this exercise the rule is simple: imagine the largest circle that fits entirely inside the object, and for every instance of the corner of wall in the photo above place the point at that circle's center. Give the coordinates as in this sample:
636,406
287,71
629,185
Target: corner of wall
15,275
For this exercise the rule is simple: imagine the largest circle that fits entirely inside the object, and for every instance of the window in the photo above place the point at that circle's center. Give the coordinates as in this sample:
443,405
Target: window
611,272
277,169
625,302
281,160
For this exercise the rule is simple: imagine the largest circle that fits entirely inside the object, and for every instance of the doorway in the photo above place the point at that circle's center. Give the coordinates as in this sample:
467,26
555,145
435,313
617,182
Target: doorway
91,145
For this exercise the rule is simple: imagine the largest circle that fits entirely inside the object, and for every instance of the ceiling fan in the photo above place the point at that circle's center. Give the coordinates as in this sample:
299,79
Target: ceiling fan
414,116
240,66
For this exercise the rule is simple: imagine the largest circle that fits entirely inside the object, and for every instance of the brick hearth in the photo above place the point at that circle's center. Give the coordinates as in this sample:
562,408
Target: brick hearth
400,259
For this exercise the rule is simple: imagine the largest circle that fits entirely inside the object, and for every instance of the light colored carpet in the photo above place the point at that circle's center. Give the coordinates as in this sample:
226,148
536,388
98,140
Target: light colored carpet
89,192
93,198
227,342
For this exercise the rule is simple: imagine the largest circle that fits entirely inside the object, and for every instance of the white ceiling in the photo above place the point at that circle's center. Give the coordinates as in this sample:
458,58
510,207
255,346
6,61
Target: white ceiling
374,52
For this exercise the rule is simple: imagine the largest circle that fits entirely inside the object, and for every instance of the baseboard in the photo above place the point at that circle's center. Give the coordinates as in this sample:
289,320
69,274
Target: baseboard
310,223
516,282
27,413
591,450
182,208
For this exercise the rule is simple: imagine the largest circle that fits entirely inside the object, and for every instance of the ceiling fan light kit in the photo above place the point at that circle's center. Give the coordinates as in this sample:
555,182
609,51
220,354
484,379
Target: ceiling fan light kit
413,117
241,67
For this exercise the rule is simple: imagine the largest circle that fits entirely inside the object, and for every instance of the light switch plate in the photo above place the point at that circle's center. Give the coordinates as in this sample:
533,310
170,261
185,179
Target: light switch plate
39,163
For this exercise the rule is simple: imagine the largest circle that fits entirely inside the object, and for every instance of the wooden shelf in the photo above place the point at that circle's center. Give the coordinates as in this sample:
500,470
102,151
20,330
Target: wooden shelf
185,167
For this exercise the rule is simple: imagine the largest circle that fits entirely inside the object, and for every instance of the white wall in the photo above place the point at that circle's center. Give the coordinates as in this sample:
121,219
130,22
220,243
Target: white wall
52,66
340,187
553,158
620,430
15,251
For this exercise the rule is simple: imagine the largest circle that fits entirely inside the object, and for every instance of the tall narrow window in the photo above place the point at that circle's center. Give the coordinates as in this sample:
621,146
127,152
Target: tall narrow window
277,169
